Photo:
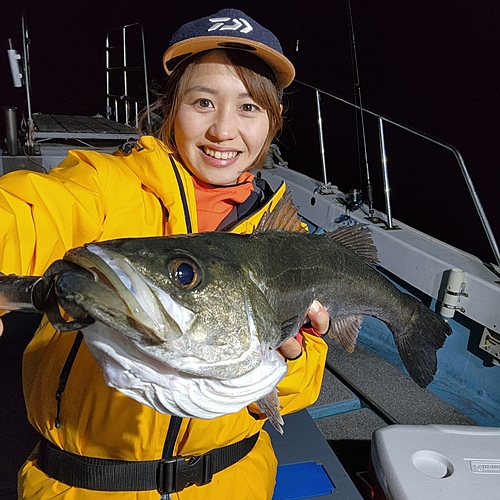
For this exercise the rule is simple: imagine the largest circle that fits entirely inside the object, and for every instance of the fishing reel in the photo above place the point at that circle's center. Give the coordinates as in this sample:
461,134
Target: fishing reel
352,202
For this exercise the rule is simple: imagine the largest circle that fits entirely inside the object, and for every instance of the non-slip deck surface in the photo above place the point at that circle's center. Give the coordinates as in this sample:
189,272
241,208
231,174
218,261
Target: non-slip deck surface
49,126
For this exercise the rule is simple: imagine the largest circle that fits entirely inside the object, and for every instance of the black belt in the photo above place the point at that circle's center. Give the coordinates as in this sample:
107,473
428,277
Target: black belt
168,475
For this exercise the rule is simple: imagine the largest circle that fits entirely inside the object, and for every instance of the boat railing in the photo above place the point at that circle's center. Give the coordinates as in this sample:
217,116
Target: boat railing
382,121
126,74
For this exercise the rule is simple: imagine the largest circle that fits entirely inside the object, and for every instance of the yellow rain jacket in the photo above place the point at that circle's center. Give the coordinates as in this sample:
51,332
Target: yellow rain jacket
94,197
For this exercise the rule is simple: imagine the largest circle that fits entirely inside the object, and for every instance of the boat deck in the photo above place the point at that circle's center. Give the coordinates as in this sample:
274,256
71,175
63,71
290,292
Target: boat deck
49,126
343,412
55,135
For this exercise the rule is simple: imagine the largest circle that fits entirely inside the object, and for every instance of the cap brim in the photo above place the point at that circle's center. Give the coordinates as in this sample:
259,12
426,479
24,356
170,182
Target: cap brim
281,66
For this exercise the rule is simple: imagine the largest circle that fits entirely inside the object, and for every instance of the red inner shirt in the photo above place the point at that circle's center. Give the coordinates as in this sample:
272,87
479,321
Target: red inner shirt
214,203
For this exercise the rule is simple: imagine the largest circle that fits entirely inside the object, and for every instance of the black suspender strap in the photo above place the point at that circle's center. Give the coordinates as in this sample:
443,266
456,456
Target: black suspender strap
172,433
168,451
187,217
63,378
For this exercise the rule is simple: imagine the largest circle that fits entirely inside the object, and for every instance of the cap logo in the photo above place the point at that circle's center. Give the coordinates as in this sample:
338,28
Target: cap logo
235,26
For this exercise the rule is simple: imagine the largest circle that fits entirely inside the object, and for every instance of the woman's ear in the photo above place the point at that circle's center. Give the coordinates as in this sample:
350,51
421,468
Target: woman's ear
281,109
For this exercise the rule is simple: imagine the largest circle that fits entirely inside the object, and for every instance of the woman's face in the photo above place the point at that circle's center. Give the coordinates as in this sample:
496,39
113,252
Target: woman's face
219,129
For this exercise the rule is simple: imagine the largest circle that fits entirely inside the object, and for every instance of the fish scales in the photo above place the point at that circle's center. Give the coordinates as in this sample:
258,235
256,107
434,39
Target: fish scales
276,275
190,325
318,266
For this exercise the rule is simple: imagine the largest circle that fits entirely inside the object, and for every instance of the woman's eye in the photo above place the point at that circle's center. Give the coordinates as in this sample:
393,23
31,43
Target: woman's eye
249,107
204,103
184,273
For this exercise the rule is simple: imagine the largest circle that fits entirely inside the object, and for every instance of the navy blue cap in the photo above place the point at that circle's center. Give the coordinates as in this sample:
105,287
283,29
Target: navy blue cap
229,29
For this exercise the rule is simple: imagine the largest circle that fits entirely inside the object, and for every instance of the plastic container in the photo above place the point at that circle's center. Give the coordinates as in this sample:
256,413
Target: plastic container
441,462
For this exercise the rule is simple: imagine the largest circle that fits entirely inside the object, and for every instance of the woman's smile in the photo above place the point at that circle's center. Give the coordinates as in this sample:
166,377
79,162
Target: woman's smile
219,154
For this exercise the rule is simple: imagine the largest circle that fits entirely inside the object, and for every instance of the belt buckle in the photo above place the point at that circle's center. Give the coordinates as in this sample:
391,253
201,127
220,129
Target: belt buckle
176,473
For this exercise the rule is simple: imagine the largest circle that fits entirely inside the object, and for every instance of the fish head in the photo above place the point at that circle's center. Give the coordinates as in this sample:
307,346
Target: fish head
187,301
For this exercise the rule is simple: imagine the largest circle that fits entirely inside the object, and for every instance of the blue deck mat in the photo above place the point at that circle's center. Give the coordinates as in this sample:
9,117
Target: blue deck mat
301,480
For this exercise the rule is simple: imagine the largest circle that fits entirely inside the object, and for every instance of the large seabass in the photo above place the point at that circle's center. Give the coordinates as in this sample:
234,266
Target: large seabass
189,325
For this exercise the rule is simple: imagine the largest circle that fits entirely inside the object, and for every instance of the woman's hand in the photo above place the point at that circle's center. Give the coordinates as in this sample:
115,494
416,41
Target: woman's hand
320,321
319,318
1,327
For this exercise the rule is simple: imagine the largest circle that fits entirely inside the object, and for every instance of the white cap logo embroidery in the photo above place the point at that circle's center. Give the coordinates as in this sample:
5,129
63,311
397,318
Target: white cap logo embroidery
235,26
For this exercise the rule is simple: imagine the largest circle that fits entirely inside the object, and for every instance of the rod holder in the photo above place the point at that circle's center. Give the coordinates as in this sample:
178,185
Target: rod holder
455,287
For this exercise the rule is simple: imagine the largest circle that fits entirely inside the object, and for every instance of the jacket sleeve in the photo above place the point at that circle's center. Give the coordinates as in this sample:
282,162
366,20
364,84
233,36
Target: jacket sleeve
302,384
43,215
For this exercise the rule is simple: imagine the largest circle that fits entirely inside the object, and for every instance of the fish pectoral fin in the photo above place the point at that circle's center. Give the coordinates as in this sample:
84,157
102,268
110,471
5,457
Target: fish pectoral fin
291,327
270,405
344,329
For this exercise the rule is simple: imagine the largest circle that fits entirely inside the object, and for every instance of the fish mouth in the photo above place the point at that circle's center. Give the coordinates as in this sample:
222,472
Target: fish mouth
155,323
141,307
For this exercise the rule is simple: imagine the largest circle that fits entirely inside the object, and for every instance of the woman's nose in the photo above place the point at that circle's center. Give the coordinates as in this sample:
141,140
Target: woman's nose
224,126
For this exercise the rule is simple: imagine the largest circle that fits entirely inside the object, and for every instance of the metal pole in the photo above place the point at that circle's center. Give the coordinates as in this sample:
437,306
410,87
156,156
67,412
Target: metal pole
146,83
30,142
109,111
125,82
27,79
320,130
357,87
385,172
10,113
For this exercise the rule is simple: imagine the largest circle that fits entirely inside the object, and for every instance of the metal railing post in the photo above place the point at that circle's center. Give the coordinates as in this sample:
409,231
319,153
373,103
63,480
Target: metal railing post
385,173
146,81
321,141
465,174
125,81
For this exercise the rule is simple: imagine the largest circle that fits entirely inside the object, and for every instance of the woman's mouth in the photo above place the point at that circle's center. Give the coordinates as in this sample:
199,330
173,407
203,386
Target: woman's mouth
219,155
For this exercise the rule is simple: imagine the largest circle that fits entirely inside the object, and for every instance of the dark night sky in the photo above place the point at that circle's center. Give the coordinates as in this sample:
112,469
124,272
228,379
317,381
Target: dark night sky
432,65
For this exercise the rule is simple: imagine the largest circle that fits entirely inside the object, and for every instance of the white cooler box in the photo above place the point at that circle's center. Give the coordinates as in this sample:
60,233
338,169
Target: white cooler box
437,462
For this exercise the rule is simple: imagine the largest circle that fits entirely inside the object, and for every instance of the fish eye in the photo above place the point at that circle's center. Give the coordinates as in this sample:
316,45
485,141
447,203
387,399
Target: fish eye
184,273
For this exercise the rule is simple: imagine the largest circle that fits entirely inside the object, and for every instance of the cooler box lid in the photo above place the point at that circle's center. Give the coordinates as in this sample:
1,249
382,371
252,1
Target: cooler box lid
445,462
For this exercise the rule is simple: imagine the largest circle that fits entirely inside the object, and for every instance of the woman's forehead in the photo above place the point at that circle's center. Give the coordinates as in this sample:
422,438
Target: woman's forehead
215,72
215,75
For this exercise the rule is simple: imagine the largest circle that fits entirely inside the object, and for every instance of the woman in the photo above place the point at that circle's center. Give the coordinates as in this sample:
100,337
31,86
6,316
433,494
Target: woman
221,110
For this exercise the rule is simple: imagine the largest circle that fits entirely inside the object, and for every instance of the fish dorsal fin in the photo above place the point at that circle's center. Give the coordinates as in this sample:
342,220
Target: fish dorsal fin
344,329
358,240
284,217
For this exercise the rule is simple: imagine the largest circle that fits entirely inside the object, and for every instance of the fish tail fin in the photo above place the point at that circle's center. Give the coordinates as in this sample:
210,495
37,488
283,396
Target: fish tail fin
269,405
419,342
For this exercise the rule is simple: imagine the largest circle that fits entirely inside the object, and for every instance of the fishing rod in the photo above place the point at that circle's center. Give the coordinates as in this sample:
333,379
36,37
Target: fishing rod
357,98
